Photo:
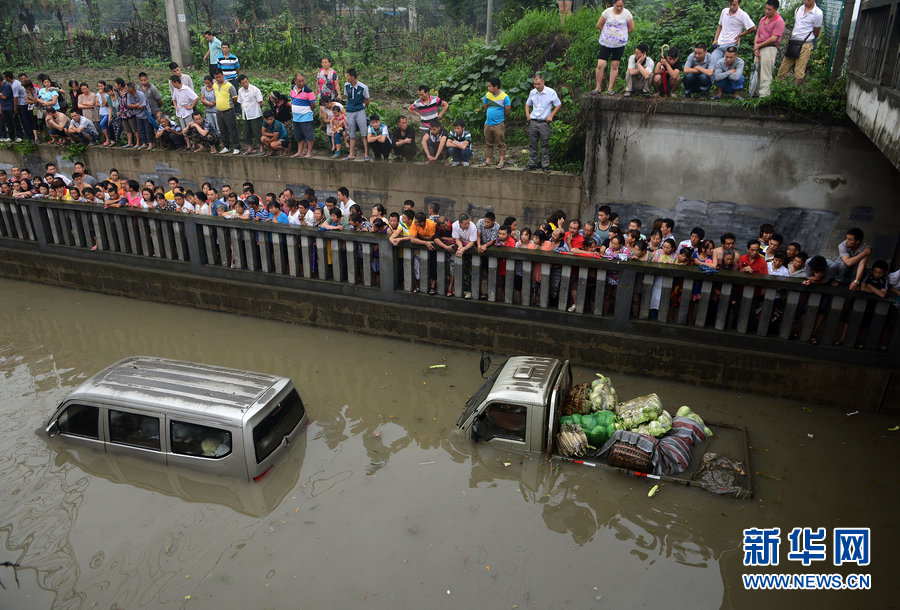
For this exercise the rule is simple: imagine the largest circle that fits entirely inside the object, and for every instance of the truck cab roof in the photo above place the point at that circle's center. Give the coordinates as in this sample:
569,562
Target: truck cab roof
525,380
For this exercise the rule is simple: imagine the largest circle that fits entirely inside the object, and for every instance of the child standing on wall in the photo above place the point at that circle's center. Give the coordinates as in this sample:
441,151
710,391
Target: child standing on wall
335,127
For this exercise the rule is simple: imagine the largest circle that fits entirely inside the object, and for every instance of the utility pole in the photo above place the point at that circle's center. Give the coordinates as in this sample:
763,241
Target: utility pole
412,16
490,22
840,50
179,39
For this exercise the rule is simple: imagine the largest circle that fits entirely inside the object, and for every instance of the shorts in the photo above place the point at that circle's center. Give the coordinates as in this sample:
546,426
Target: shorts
357,124
303,132
614,54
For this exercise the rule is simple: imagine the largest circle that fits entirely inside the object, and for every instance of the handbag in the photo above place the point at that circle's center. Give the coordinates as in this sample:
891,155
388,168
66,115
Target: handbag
794,47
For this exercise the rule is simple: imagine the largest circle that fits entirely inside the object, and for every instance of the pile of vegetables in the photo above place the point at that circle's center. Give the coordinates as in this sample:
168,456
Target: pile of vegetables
597,414
639,410
603,395
686,411
597,426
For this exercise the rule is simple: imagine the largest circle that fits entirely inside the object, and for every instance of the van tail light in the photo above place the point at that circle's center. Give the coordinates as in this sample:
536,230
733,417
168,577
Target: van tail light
262,474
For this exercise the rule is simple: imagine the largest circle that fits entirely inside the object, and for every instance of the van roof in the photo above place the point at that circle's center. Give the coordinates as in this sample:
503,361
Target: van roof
182,387
525,379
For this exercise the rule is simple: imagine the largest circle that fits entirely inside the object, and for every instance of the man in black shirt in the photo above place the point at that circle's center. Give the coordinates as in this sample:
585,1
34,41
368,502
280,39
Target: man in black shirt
404,138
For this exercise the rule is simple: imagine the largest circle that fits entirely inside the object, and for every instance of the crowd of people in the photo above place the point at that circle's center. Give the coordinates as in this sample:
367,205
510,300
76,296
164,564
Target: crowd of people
207,112
223,112
714,67
606,236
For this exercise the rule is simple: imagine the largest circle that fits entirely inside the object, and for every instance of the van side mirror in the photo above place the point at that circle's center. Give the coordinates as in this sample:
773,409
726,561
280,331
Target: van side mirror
53,428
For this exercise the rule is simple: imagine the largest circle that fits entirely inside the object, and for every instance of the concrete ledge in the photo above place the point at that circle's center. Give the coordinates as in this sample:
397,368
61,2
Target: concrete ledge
741,370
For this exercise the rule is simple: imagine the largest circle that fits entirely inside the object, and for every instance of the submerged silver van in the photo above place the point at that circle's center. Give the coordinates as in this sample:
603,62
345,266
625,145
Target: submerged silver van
215,419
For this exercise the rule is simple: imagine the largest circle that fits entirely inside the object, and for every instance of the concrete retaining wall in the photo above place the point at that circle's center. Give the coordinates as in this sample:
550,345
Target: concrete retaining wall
529,196
742,370
724,168
876,110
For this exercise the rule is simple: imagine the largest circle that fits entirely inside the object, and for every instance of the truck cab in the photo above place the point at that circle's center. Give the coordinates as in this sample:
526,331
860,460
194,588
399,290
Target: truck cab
517,407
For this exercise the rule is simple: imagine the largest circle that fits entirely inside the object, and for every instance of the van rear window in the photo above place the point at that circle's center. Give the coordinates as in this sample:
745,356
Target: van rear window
280,422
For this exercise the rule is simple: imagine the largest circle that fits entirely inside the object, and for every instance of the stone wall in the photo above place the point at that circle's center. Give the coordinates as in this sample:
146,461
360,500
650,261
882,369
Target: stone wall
876,110
529,196
739,369
724,168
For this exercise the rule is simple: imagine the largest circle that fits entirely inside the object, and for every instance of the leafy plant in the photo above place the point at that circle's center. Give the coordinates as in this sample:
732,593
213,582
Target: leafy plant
74,152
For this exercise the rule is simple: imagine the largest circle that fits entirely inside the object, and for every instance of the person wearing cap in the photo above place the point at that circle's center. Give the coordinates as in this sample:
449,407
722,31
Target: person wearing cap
728,74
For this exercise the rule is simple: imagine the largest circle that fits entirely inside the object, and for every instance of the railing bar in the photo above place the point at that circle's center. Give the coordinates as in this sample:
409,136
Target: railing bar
526,283
745,309
222,240
321,259
492,279
600,292
687,293
790,312
664,297
350,254
545,285
54,229
723,306
857,312
179,239
306,256
207,240
509,286
142,233
367,263
765,315
249,249
292,255
565,276
476,276
441,272
423,270
809,318
833,320
876,327
703,303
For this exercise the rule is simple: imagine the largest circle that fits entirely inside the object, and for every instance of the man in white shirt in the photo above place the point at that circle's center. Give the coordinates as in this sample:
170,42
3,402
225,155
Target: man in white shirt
640,71
540,109
807,27
734,24
184,99
465,234
250,99
344,201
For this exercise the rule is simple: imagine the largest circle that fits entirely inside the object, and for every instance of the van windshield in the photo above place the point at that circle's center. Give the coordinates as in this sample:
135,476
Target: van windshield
279,423
478,397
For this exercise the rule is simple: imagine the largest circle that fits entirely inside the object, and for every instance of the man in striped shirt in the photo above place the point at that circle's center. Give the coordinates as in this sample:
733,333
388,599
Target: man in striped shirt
302,101
229,64
428,107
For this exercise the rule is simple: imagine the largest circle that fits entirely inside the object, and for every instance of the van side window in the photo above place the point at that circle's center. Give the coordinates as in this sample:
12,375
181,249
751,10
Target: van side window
199,441
134,429
80,420
505,421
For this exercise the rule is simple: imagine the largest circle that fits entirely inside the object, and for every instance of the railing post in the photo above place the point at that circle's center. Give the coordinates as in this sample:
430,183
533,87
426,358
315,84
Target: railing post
193,242
387,261
624,296
37,221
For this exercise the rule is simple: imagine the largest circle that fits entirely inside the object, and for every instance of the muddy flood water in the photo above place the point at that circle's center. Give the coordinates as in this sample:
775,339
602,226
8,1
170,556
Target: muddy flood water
384,505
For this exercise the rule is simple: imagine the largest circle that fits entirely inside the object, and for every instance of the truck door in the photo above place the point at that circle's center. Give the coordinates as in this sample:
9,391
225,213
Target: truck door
557,397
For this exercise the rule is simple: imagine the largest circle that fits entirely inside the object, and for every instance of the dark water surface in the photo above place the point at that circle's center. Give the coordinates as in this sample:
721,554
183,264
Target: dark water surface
384,506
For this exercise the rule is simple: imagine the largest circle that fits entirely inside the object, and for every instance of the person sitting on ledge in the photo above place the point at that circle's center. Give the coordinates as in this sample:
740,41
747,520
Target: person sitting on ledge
698,72
638,76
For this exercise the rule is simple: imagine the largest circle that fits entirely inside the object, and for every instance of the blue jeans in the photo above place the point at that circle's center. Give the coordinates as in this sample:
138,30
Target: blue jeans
729,85
696,82
460,155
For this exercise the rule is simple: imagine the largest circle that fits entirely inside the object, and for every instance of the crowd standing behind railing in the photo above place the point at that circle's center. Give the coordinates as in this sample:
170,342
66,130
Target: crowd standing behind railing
605,236
206,115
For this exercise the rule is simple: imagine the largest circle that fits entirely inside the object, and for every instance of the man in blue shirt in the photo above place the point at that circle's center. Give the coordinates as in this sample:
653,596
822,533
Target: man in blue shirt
274,136
496,105
214,51
357,96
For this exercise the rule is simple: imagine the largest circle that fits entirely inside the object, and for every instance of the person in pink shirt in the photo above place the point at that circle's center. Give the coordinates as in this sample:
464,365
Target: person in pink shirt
133,197
765,46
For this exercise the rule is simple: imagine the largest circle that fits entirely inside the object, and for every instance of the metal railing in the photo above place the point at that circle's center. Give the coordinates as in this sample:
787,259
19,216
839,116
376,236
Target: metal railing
647,300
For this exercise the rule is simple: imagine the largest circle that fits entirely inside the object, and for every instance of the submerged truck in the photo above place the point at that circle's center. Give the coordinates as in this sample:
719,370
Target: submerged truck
519,406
